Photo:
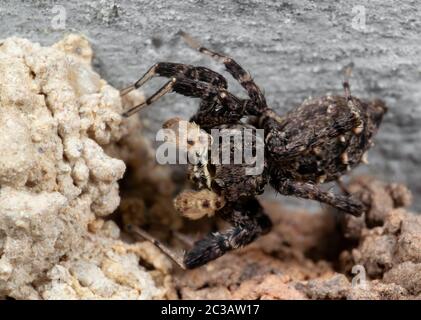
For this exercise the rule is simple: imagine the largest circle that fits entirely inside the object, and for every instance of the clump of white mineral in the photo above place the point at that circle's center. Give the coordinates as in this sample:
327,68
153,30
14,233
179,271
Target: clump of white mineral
57,182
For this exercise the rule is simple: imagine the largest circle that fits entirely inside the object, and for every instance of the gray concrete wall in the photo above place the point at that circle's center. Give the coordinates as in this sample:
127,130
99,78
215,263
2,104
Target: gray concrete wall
294,49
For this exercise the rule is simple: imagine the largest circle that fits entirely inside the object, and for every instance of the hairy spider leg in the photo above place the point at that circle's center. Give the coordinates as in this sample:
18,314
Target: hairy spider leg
342,186
177,258
311,191
347,90
258,101
345,84
249,221
169,70
168,87
359,123
196,89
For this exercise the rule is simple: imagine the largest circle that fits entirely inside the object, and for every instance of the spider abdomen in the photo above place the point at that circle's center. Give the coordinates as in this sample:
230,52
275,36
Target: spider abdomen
322,139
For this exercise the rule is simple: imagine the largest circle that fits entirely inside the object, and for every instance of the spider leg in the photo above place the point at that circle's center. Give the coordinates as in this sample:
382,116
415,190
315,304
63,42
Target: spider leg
169,69
342,186
248,220
358,122
182,85
238,73
178,259
307,190
168,87
345,84
212,113
347,90
232,107
186,240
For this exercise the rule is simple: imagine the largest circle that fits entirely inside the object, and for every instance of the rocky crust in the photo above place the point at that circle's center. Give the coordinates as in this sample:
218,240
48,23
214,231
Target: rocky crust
326,255
58,185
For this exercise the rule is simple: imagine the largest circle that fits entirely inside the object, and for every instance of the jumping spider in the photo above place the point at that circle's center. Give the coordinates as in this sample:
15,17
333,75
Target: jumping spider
316,142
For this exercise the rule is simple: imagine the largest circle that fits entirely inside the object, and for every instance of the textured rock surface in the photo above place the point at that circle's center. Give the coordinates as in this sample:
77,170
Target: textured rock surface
57,183
269,268
318,256
294,49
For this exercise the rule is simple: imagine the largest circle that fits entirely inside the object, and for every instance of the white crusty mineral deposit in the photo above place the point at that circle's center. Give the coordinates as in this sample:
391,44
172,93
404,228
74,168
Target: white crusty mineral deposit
57,183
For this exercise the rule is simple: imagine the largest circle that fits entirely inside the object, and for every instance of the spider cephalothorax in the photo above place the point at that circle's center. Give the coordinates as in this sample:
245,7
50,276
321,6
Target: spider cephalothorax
316,142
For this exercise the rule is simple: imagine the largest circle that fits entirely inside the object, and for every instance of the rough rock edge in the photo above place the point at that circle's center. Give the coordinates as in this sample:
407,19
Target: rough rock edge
57,183
323,256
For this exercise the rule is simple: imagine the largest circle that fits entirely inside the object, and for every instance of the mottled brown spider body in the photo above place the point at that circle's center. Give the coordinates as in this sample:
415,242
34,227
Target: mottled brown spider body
322,139
316,142
231,180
